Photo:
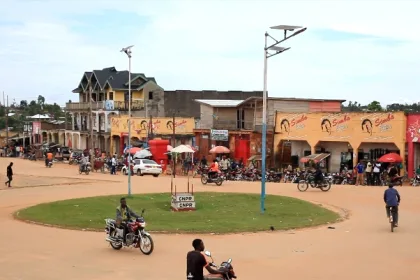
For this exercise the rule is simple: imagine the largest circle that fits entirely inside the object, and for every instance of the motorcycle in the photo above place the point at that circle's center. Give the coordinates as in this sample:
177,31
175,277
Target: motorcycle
49,164
216,178
225,266
324,185
200,170
415,181
397,180
86,168
32,157
136,237
273,176
250,175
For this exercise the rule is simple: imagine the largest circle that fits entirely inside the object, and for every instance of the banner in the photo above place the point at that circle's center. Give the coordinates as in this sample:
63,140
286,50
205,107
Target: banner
219,135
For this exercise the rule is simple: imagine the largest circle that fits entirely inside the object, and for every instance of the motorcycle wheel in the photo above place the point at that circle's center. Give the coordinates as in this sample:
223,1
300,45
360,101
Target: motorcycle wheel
150,245
70,162
115,245
302,186
326,187
80,171
87,172
204,180
219,182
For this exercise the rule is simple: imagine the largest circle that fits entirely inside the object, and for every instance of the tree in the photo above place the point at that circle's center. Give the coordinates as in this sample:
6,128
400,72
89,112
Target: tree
374,106
41,100
23,104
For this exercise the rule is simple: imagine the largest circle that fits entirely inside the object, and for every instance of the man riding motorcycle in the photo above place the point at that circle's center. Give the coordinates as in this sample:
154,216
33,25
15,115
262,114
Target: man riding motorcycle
124,214
83,163
196,261
319,177
48,157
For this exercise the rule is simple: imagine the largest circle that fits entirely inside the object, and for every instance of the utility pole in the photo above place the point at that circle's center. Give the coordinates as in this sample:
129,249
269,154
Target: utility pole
151,128
91,122
7,120
173,141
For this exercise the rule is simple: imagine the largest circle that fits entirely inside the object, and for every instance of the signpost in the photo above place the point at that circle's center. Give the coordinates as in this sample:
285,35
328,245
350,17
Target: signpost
183,202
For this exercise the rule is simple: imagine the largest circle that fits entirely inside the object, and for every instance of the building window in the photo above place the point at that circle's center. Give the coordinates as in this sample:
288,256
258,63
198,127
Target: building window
111,95
150,95
240,119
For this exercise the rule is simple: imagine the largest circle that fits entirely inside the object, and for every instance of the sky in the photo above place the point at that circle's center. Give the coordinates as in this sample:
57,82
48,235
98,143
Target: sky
360,50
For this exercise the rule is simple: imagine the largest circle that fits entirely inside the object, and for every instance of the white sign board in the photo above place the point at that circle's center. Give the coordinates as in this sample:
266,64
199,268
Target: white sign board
219,135
183,202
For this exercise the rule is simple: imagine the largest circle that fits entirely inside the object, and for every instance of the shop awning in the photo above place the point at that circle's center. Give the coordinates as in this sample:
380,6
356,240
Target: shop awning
315,157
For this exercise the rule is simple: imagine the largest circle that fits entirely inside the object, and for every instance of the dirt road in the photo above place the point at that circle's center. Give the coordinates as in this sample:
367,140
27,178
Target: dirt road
360,248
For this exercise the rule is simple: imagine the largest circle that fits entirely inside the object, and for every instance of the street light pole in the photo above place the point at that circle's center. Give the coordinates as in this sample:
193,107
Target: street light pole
127,51
267,55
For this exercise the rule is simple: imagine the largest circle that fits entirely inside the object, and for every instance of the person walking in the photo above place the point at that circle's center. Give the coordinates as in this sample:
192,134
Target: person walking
9,175
113,165
377,174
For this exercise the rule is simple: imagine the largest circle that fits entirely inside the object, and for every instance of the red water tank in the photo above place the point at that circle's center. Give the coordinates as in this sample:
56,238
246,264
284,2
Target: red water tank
159,148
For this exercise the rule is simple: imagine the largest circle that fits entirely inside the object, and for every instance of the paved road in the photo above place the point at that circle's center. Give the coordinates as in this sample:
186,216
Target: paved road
362,247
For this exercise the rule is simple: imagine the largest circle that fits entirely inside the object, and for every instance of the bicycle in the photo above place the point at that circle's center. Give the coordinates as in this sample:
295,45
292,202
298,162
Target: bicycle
391,218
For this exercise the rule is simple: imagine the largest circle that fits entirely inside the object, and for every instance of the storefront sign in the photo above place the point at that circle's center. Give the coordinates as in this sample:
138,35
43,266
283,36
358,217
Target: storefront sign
219,135
158,126
413,128
36,127
350,127
183,202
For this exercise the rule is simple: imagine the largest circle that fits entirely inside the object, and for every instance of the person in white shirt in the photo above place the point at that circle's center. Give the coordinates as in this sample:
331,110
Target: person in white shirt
224,164
369,173
113,165
376,180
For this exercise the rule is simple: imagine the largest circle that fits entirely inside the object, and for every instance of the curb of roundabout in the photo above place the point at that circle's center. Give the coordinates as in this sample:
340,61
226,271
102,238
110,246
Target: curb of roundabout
344,214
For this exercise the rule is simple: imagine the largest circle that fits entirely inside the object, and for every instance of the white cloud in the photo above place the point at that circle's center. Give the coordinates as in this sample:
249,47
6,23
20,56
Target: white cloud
216,45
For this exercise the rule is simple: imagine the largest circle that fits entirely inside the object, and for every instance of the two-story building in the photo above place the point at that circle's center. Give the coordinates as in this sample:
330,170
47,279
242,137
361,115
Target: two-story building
109,91
237,124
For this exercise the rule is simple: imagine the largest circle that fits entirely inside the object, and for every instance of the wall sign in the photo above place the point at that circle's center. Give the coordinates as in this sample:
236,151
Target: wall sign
219,135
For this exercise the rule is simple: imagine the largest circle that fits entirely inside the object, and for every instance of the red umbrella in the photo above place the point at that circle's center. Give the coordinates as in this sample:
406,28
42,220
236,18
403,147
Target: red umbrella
219,150
134,150
391,157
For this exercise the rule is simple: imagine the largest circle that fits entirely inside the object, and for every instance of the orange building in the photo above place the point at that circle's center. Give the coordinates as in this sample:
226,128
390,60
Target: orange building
347,137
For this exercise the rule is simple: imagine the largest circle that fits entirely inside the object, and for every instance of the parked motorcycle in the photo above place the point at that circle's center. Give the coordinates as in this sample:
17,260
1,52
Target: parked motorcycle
224,266
85,169
32,157
136,236
415,181
324,185
216,178
274,176
249,175
397,181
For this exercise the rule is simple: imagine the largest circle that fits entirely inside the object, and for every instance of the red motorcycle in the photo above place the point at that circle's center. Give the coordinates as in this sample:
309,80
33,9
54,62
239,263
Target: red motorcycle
136,236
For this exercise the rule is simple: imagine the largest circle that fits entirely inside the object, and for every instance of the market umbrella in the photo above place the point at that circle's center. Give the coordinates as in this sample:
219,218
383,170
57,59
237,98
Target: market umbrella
169,148
391,157
219,150
142,154
182,149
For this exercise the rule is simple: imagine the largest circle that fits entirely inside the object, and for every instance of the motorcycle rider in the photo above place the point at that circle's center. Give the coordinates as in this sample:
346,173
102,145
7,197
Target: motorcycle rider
214,169
319,177
48,157
196,261
124,215
83,162
392,199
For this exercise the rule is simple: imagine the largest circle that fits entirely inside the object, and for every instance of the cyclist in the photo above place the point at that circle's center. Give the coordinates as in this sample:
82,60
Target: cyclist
392,199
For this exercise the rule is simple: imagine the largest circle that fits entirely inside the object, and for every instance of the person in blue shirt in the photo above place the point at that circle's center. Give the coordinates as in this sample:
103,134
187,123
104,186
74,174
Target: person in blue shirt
392,199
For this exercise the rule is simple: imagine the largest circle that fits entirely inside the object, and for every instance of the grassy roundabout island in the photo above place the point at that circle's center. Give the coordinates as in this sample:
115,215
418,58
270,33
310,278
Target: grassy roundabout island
216,213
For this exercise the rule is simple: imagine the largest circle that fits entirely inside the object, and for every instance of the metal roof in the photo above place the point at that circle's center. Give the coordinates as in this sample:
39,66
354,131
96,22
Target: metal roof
219,103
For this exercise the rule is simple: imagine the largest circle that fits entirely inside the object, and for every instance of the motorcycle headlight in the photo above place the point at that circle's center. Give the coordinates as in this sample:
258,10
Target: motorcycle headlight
143,224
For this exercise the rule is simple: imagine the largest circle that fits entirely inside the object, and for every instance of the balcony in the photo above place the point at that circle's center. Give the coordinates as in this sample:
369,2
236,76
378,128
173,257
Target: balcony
109,105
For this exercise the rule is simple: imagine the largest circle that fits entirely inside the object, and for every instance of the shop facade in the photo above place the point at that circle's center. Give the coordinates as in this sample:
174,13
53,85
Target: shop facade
143,129
242,144
347,137
413,140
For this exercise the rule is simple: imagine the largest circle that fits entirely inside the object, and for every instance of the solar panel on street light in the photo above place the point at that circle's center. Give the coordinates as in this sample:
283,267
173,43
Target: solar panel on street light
286,27
277,49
